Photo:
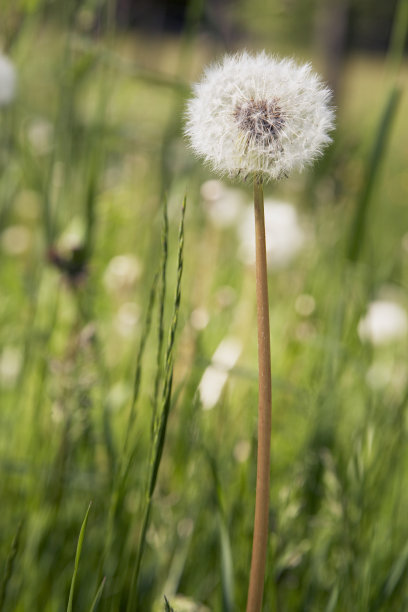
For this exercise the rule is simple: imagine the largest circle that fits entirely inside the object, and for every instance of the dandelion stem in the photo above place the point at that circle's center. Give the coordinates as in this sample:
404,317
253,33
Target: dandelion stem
260,537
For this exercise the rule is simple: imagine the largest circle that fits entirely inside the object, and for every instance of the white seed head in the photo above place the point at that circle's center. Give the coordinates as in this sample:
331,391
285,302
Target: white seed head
258,114
7,81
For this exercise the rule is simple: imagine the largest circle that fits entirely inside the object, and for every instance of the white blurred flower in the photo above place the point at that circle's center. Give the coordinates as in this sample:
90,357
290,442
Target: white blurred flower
259,114
73,235
216,375
118,395
15,240
382,374
212,190
384,322
121,274
11,360
41,135
222,204
242,450
284,235
8,80
199,318
127,318
305,304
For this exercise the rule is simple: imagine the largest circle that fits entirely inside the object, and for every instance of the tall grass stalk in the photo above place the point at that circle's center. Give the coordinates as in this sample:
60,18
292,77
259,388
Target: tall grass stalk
162,299
77,558
357,234
8,570
260,536
395,56
161,426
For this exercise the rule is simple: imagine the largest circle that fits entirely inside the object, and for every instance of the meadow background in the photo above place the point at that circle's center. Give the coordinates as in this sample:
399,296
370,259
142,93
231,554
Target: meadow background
128,358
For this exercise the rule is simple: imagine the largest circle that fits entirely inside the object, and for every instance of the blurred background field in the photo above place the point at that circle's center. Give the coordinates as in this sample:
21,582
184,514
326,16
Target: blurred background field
93,173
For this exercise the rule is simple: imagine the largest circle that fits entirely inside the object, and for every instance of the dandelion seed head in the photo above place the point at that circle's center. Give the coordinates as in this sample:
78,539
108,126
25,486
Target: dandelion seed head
259,114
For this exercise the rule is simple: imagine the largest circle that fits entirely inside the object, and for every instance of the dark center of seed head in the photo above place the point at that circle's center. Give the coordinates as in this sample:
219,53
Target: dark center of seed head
260,120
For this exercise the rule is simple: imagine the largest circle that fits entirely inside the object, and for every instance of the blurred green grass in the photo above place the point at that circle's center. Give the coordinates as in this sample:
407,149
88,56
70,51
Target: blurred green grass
88,149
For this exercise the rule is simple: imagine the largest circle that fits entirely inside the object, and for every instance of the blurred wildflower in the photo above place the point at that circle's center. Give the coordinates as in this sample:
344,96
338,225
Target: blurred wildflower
212,190
225,296
242,450
11,360
216,375
126,319
284,235
41,135
8,80
121,274
73,236
384,322
222,204
382,374
305,305
258,114
118,395
199,318
16,240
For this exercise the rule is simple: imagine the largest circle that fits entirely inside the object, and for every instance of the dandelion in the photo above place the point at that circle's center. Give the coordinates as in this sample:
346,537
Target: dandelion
8,81
258,114
260,118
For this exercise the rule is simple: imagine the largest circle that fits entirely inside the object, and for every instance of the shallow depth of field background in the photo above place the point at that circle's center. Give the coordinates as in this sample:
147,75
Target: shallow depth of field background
91,149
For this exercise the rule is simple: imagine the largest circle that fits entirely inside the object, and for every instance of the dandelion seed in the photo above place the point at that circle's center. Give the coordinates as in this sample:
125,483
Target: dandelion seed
8,80
259,114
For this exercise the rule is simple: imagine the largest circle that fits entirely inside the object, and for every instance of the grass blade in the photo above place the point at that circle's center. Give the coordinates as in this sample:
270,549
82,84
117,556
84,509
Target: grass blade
77,557
160,430
8,570
167,606
97,596
162,299
227,569
376,157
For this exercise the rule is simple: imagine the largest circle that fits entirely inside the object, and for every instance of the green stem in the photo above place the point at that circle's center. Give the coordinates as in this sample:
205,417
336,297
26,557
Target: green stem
260,537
